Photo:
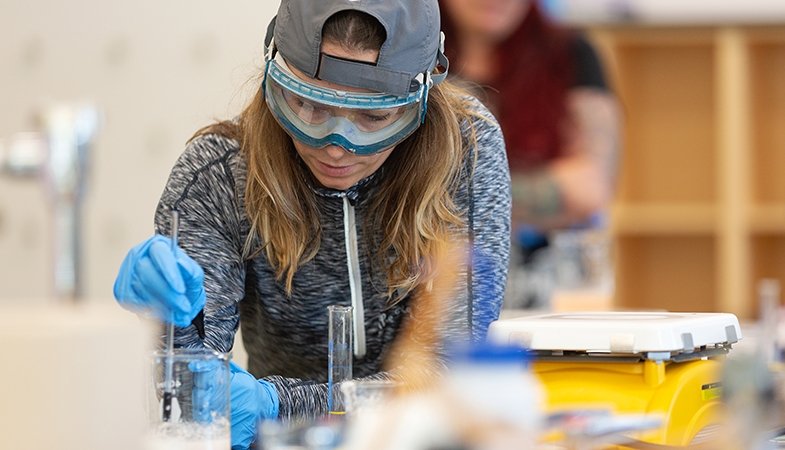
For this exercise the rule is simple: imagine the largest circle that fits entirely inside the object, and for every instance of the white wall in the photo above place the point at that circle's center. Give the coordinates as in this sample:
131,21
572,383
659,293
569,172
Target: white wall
158,69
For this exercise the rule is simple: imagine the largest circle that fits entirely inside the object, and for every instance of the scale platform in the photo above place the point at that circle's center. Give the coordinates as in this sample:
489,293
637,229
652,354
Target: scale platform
650,335
658,364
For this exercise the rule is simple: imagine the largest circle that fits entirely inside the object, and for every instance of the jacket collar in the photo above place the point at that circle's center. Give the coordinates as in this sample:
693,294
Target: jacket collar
353,193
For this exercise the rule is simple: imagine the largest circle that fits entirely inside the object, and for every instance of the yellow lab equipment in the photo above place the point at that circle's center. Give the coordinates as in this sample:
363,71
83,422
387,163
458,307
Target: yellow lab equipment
652,363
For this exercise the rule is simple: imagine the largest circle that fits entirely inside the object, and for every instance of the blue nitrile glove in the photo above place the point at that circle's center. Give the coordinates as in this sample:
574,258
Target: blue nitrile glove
252,401
210,393
157,280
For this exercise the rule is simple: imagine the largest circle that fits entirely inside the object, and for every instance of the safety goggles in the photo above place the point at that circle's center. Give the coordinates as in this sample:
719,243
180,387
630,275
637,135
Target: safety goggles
362,123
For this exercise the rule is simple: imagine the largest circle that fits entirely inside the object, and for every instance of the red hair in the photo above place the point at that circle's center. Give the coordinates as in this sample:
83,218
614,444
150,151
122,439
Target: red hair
528,94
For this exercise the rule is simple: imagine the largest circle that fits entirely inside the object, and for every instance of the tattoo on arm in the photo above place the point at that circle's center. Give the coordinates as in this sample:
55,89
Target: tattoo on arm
596,129
536,195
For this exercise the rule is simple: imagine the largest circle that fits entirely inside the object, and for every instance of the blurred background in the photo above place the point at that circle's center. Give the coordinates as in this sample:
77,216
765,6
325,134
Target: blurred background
156,71
700,212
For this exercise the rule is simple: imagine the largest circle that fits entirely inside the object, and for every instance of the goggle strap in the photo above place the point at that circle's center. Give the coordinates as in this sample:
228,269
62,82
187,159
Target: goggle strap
266,74
277,71
424,109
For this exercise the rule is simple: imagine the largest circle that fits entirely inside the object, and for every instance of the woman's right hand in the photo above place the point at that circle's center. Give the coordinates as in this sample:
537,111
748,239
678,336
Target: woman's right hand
162,281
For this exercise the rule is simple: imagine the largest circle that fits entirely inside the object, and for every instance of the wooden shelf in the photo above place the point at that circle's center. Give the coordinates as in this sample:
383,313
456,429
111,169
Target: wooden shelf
667,94
664,219
768,219
657,36
767,72
766,35
700,211
674,273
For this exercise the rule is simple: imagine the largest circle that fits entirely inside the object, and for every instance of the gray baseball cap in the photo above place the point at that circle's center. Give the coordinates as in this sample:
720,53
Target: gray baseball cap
413,48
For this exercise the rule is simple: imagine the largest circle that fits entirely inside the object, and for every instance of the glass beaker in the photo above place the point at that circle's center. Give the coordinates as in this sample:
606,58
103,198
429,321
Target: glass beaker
321,435
581,257
200,412
363,395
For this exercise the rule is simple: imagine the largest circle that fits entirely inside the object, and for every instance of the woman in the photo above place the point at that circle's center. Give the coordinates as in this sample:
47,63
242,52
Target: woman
547,87
335,185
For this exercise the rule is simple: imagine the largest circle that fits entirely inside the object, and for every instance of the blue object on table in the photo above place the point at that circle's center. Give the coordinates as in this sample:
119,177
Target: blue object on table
209,391
252,401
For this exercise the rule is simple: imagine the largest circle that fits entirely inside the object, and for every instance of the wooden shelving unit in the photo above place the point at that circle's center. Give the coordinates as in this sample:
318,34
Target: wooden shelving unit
700,213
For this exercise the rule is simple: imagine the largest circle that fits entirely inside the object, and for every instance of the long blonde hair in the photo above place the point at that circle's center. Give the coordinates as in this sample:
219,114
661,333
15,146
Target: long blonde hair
412,205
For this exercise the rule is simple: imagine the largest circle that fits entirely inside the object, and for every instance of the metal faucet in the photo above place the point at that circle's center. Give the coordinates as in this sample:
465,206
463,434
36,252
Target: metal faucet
58,155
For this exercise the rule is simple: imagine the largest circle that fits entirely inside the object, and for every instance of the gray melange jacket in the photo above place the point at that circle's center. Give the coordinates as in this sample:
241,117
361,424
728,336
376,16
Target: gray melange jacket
286,338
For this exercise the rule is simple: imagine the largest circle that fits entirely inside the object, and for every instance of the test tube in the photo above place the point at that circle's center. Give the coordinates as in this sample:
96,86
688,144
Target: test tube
339,355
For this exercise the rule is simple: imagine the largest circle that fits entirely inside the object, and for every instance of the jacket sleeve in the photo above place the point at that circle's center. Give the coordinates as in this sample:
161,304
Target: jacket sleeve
488,217
203,189
307,399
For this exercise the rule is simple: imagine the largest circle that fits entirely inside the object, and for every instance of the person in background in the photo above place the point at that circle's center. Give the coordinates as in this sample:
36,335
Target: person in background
561,124
352,164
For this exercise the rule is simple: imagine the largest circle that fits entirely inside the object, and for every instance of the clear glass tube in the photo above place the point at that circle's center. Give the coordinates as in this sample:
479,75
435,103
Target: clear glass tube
769,304
339,354
169,382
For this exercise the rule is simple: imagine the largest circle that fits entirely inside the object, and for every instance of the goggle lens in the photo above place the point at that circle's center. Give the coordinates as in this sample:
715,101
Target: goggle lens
359,122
